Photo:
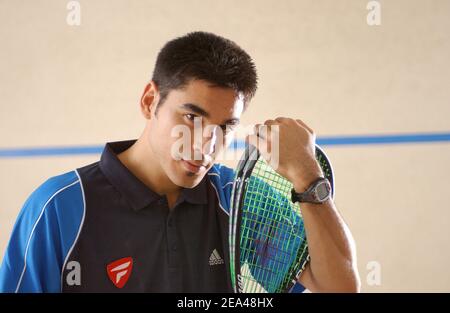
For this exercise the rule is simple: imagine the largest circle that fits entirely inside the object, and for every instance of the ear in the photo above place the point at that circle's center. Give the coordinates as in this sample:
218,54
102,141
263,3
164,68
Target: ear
149,100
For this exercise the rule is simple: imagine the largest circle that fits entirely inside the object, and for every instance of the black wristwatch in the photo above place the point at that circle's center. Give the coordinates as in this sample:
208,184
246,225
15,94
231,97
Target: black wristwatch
318,192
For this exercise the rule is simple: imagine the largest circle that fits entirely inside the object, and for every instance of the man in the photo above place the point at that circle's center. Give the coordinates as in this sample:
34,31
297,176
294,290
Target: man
149,217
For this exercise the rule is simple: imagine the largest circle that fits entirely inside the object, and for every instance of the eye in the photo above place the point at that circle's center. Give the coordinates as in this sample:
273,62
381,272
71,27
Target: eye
227,128
190,116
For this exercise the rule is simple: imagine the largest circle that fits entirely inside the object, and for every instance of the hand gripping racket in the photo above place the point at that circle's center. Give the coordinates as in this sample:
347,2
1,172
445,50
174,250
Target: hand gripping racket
267,239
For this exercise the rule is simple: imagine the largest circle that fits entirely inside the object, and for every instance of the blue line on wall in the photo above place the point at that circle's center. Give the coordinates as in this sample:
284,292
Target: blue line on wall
239,144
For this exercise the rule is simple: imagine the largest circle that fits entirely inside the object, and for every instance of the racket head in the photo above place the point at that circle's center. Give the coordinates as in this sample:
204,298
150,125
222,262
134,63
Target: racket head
327,168
268,247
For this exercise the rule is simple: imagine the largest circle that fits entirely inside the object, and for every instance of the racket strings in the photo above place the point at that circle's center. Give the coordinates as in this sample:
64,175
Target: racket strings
272,232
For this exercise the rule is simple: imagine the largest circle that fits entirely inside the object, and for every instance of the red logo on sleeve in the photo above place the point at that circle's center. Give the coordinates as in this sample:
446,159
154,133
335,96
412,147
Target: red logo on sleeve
119,271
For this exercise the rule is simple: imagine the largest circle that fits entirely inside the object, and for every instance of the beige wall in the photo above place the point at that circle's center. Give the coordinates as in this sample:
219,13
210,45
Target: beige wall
317,60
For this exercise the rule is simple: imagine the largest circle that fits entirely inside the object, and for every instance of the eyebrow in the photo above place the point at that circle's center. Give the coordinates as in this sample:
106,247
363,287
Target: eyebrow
197,109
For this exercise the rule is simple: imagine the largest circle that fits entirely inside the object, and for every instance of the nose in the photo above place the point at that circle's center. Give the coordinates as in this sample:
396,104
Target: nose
205,145
209,146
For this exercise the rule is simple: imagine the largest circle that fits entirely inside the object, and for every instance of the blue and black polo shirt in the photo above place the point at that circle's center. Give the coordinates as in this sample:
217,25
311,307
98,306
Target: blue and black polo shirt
100,229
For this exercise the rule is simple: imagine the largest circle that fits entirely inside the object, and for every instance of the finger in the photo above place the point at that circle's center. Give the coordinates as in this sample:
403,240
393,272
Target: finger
268,126
256,129
256,141
305,126
262,131
270,122
261,145
282,119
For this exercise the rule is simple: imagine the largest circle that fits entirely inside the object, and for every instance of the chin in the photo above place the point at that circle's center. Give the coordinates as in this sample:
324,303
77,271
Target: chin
182,178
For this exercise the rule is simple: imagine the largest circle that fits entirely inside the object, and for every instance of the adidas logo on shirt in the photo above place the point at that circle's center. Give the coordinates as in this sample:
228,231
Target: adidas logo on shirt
215,258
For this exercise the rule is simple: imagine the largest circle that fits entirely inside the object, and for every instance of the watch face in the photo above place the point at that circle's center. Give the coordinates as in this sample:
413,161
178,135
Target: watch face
323,191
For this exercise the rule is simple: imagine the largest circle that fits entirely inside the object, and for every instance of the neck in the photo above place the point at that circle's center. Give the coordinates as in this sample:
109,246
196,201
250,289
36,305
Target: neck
143,163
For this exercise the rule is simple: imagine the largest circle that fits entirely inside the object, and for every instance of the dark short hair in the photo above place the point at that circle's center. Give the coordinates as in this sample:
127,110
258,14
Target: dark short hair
204,56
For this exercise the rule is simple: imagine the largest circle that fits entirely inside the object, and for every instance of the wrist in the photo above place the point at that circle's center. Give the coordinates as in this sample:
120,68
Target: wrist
318,192
303,176
302,183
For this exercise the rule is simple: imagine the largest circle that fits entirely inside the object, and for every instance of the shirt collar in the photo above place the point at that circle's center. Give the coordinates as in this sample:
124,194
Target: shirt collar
135,191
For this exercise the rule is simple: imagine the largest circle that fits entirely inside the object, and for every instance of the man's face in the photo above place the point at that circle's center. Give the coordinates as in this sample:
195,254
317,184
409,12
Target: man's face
198,116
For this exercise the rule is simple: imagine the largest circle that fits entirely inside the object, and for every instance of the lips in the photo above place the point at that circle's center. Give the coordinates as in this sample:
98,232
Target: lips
193,167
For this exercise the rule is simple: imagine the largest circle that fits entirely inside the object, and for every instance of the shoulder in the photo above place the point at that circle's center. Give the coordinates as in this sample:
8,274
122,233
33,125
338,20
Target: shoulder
58,203
221,178
55,189
44,232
